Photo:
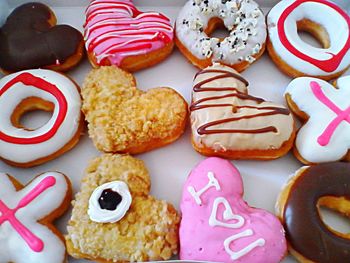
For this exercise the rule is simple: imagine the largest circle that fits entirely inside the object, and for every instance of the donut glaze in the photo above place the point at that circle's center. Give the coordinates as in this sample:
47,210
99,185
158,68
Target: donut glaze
244,20
304,58
229,122
306,232
219,226
22,146
325,111
116,29
28,40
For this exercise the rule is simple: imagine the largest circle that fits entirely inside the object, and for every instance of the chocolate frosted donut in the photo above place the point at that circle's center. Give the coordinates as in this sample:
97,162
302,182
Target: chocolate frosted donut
30,39
309,237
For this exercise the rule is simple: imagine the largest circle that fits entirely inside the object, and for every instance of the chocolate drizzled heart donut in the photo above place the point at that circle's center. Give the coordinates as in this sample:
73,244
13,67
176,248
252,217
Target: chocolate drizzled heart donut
228,122
30,39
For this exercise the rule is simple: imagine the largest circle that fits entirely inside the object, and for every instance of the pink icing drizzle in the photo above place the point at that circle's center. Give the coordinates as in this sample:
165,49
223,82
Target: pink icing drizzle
8,214
115,29
328,65
342,115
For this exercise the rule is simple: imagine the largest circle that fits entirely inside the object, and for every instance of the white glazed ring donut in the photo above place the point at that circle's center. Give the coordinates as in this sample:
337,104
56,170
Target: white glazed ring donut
25,147
301,58
244,20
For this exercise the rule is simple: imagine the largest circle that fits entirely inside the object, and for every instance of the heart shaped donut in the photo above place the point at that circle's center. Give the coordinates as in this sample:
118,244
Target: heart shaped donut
228,122
218,225
325,111
117,33
114,219
122,118
31,39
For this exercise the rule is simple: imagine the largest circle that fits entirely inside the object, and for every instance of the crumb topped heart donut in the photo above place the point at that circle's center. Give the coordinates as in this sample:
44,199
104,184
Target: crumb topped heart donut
218,225
228,122
325,111
122,118
31,39
117,33
114,218
27,234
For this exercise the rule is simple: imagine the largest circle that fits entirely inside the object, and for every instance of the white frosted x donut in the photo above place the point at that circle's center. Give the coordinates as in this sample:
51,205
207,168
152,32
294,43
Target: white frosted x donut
23,238
325,137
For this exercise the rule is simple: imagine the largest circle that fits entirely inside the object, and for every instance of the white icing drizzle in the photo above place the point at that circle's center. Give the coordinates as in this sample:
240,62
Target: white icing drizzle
24,153
244,20
246,233
228,215
97,214
213,182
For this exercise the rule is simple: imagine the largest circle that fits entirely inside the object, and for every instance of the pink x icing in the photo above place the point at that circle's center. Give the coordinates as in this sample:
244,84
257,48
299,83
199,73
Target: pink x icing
246,235
8,214
342,115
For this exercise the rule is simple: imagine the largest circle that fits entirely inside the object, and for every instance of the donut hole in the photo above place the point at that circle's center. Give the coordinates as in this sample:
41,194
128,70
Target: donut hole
313,34
32,113
216,28
335,213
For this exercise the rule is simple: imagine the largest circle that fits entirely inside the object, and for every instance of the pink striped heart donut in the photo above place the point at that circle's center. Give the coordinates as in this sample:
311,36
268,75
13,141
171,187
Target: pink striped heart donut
117,33
323,19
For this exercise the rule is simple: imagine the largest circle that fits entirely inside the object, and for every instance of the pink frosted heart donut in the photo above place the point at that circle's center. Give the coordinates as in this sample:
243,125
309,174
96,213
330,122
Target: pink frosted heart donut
117,33
218,225
323,19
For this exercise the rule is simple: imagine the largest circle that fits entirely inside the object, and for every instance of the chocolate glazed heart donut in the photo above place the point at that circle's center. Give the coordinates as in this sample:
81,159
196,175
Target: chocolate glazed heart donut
30,38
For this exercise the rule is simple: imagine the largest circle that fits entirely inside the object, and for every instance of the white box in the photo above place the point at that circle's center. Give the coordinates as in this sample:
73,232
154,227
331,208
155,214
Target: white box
170,165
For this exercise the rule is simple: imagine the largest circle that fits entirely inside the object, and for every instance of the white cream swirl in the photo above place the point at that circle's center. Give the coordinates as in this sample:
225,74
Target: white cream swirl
97,214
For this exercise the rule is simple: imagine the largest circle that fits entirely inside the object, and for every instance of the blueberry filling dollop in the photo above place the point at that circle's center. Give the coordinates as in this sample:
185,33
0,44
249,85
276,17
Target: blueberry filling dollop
109,200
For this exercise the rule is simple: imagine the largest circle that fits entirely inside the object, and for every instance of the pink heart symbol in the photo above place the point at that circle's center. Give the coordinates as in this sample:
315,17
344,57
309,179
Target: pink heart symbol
217,224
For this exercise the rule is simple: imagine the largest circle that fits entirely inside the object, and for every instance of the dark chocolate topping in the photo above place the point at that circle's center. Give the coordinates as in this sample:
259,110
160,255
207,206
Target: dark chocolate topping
109,199
206,103
28,41
304,227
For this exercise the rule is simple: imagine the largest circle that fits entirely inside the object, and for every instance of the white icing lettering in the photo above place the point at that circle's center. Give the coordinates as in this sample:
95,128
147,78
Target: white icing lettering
213,182
246,233
227,215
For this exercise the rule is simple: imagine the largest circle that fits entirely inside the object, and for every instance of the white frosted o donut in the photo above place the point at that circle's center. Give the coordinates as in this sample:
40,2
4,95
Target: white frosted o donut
302,57
244,20
23,146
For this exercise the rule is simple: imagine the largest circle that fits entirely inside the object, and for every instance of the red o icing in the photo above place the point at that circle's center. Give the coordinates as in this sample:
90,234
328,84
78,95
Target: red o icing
329,65
31,80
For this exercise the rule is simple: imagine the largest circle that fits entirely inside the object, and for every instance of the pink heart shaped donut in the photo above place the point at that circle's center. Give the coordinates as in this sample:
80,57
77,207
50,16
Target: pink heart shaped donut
117,33
218,225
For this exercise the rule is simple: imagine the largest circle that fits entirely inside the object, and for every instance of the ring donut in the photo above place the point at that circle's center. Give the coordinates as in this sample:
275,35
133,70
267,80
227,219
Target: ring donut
326,21
38,90
310,239
242,18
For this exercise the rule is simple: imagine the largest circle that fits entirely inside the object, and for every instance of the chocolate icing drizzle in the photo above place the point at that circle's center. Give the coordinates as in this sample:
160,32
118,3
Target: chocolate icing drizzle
28,41
304,227
200,104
